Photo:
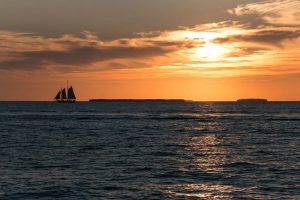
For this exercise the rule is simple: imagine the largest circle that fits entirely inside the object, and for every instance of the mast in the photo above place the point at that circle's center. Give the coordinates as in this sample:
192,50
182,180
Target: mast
67,89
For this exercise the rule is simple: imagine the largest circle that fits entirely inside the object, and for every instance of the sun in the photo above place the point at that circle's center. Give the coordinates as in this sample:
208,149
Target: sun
211,51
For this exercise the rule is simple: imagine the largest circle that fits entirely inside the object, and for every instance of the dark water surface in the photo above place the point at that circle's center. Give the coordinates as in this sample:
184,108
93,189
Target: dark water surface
149,150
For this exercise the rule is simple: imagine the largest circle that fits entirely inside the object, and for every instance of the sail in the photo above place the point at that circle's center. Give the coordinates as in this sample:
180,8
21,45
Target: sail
63,94
57,96
71,94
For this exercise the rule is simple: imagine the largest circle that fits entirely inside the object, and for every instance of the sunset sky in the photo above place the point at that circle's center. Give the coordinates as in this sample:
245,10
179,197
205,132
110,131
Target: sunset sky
189,49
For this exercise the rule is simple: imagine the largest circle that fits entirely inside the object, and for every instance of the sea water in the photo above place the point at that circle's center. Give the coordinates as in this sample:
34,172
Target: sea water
150,150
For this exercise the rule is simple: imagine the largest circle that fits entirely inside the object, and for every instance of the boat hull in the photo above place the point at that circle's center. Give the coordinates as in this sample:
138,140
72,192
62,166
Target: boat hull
67,101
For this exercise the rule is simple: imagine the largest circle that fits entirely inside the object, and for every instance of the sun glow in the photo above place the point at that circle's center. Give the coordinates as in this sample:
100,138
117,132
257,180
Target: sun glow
211,51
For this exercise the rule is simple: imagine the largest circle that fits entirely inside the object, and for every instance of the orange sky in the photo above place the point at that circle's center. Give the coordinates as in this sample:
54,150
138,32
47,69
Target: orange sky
253,54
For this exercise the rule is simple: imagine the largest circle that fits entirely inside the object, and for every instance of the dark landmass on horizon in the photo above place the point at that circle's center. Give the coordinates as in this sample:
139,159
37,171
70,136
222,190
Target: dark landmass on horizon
251,100
176,100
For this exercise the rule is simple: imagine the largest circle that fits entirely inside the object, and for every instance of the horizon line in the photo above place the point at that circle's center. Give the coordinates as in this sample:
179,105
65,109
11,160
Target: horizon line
183,100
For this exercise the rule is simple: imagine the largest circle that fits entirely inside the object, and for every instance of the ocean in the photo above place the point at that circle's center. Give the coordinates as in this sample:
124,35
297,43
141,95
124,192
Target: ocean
149,150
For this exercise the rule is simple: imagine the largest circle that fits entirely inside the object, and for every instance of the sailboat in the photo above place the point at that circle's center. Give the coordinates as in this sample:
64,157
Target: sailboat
66,95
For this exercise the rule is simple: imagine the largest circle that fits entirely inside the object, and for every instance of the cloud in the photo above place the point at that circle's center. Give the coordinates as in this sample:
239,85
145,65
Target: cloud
25,63
279,12
265,35
229,45
29,52
87,55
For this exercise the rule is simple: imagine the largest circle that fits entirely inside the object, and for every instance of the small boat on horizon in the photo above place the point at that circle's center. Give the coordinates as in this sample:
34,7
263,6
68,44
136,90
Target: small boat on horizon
65,95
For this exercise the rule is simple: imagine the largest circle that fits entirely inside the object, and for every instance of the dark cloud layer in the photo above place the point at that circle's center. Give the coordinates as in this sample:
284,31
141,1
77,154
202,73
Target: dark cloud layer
21,64
82,56
273,37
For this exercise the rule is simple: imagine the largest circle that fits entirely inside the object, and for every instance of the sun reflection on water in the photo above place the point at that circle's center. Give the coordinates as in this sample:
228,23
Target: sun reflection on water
207,154
207,191
210,155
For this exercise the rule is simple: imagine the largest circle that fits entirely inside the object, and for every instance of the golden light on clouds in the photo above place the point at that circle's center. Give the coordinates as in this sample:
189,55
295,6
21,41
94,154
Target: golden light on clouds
282,12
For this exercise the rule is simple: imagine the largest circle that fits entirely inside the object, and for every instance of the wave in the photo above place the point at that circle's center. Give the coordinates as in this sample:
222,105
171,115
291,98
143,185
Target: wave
241,164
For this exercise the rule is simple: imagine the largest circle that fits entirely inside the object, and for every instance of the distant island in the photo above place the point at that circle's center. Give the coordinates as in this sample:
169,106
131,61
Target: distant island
252,100
173,100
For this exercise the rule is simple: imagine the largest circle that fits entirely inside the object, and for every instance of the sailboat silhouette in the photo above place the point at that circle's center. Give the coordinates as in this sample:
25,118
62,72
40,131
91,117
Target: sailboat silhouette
65,95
